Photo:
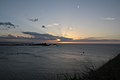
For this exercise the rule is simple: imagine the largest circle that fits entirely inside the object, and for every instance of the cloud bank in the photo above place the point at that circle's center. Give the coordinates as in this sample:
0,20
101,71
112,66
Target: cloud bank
46,36
37,37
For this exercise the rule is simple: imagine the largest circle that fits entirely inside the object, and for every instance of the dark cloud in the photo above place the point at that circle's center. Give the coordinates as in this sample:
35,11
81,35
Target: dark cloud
33,20
36,37
43,26
6,25
46,36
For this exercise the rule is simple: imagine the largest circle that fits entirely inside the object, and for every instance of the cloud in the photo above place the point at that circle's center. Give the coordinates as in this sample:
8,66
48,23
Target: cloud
109,18
46,36
37,37
10,36
49,25
6,25
54,24
34,20
40,36
33,36
16,36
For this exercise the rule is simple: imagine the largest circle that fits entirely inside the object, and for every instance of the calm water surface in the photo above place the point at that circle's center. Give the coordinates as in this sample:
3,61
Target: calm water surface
42,62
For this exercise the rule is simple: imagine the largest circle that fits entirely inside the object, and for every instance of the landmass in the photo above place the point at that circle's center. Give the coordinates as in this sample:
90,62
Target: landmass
26,44
109,71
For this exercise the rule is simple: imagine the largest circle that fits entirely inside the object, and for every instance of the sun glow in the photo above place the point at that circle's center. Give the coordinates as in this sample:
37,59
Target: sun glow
72,35
68,34
58,40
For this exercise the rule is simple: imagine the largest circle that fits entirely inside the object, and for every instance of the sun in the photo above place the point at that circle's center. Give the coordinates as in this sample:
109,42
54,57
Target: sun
58,40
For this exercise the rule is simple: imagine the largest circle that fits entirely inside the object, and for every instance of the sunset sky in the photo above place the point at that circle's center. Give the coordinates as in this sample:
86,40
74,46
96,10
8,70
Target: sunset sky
76,19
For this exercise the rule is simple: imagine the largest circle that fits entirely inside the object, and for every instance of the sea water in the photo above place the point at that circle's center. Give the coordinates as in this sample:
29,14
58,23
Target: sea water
45,62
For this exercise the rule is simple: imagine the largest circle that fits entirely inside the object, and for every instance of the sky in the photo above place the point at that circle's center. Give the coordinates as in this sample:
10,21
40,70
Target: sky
75,19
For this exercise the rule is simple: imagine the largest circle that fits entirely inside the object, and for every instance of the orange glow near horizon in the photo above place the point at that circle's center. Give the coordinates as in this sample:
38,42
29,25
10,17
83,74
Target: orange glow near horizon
89,42
71,34
68,34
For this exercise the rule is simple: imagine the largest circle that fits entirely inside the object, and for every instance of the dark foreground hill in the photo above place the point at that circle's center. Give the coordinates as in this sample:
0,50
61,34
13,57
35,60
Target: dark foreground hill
109,71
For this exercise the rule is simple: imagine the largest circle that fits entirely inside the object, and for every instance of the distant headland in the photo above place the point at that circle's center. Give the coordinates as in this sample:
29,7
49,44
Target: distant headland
25,44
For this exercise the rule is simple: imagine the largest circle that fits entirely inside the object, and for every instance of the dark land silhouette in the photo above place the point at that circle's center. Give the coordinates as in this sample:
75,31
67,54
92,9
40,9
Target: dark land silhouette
109,71
27,44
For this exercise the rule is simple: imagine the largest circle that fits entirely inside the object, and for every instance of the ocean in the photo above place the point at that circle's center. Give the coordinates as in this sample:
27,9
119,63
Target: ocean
46,62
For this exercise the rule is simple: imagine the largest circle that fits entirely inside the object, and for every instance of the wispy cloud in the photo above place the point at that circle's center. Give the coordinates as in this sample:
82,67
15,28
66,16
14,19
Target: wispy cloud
53,24
109,18
56,24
